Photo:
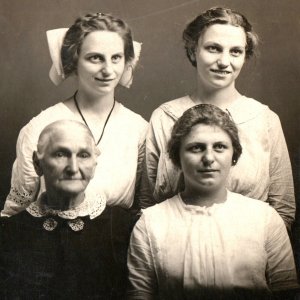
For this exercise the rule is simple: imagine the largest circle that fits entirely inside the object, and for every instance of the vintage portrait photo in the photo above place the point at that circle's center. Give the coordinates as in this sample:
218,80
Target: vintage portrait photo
150,150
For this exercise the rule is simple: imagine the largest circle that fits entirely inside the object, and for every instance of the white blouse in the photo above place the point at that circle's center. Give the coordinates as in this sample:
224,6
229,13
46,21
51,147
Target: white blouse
178,251
262,172
118,166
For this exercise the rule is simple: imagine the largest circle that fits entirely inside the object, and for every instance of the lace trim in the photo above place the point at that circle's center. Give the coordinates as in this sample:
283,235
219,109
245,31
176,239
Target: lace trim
93,206
22,199
76,225
50,224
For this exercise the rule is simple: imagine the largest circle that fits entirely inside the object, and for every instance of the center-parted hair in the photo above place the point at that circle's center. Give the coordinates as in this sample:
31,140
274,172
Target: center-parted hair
206,114
82,27
217,15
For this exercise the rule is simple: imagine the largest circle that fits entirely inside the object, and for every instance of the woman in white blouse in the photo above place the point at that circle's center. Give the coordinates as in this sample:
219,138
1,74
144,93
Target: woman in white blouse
218,42
207,242
99,52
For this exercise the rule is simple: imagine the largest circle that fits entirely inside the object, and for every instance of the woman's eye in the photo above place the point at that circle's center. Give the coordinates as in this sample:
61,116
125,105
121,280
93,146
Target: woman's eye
116,58
95,58
196,148
213,49
220,147
237,52
84,155
60,154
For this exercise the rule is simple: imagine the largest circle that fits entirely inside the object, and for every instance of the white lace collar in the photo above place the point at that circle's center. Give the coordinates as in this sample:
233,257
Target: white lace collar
92,206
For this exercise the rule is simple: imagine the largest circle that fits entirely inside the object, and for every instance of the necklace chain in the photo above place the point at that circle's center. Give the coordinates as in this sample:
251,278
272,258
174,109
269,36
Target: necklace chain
84,120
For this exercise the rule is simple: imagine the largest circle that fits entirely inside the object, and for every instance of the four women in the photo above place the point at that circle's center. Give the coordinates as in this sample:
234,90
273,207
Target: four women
99,51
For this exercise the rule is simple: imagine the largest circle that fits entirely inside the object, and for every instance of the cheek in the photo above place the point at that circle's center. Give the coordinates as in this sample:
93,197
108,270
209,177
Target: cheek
187,161
227,162
51,168
239,63
204,59
85,69
89,169
120,68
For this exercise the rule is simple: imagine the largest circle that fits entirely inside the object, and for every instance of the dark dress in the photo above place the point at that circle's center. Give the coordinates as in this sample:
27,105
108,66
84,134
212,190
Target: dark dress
63,263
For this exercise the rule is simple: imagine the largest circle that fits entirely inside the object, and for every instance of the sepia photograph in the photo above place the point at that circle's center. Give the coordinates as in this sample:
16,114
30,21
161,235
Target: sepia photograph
150,149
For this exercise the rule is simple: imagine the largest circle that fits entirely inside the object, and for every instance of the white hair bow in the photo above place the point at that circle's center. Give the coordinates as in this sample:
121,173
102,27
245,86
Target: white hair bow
55,39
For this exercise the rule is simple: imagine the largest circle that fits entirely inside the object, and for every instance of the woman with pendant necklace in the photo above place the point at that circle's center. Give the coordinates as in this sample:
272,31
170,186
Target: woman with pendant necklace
218,42
99,51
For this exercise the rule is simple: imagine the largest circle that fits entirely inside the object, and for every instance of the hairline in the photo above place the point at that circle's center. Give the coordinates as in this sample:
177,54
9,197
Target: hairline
51,129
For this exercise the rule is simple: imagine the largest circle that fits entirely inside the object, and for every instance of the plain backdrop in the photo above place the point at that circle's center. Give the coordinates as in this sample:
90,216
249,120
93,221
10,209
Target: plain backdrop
163,73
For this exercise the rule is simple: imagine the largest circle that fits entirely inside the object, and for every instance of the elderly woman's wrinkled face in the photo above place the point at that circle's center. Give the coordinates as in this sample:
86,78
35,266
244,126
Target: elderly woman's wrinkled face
101,62
69,161
220,55
206,158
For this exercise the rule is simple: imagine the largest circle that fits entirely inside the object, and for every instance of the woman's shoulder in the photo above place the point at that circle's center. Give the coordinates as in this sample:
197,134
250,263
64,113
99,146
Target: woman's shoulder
161,210
247,109
19,222
32,130
174,108
156,219
49,115
128,116
247,204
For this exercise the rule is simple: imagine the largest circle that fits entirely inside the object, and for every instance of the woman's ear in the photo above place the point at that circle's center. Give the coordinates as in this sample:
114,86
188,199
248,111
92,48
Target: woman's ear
192,55
97,153
37,164
127,76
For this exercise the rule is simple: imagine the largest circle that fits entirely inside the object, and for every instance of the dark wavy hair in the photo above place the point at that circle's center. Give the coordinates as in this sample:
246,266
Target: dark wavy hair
206,114
217,15
82,27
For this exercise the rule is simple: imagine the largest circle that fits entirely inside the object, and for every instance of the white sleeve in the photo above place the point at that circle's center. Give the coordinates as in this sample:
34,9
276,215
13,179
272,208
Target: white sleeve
142,277
281,191
280,271
24,180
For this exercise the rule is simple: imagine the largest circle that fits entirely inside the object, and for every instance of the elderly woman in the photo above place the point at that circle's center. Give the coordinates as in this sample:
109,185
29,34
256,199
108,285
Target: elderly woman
218,42
61,246
207,242
99,52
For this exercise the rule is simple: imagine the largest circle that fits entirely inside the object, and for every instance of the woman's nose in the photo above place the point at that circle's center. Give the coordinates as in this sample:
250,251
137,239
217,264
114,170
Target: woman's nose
72,165
223,60
208,158
107,69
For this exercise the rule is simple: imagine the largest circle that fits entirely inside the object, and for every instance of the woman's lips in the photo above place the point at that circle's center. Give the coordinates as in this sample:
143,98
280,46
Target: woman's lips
104,80
220,72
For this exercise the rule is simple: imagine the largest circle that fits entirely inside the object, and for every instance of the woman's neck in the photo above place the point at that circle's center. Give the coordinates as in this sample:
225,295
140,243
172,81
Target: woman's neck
63,202
222,97
93,103
204,198
93,110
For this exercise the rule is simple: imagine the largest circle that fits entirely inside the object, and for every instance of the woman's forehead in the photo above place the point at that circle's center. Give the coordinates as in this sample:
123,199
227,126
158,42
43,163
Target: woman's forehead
102,41
207,132
224,33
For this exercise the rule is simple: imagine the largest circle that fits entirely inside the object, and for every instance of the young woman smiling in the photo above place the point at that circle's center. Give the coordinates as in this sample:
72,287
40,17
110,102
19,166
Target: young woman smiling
217,43
98,50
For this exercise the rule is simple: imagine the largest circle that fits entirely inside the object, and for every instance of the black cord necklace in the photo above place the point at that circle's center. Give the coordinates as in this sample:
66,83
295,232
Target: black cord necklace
79,111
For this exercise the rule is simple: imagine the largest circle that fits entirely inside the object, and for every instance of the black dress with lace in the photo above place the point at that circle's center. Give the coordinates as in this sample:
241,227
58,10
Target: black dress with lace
63,263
